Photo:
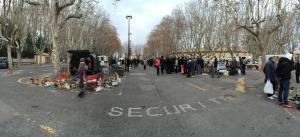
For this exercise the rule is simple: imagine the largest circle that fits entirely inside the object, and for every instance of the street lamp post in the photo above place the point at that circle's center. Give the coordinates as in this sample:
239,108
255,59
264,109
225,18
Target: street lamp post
129,17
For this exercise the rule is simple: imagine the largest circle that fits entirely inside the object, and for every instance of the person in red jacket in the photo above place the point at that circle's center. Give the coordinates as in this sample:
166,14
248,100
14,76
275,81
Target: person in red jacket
157,65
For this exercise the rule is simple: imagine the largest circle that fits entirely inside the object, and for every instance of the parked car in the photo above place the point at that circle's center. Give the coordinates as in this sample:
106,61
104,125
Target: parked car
3,63
76,55
221,66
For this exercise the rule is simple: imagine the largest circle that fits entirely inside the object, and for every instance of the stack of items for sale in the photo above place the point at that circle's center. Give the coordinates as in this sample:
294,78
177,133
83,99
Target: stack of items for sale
294,95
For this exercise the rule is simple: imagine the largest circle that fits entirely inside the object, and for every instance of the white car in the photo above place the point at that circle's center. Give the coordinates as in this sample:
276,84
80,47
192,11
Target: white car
221,67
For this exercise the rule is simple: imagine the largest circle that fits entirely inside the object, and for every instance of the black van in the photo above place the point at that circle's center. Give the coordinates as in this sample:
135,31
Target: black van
76,55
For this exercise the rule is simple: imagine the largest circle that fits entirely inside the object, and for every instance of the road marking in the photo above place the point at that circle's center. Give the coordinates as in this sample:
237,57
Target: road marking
151,114
138,74
170,113
48,129
186,106
116,111
158,111
201,104
133,112
214,100
197,87
292,115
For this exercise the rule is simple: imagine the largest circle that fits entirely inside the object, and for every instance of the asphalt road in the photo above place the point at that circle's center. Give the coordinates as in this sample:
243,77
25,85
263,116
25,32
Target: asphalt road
144,105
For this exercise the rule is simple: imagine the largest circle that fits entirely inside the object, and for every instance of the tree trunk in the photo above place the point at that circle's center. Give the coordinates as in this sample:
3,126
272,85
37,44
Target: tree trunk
9,58
55,50
19,56
263,58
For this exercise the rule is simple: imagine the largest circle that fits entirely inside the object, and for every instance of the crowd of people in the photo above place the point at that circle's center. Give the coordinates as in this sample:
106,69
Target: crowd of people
277,70
192,66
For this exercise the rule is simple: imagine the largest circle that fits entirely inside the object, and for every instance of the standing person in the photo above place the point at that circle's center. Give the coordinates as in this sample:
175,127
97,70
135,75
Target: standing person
243,65
201,65
157,65
81,71
189,68
162,64
193,66
198,65
173,64
181,64
215,68
297,68
283,71
185,61
151,62
270,74
233,67
167,64
176,64
145,64
227,64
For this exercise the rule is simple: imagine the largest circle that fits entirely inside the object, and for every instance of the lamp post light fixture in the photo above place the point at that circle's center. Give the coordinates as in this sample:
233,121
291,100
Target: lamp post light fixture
129,17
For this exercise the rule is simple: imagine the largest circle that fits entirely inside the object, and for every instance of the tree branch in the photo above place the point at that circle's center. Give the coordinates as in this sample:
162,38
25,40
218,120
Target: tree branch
248,29
71,16
70,3
77,16
34,3
1,36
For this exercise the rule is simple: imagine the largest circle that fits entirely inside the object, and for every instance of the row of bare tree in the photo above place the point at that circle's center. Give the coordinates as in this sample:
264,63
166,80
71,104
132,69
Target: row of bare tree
258,26
61,25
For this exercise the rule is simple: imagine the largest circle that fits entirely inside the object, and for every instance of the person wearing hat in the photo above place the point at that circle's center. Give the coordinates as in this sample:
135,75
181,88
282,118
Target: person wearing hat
283,72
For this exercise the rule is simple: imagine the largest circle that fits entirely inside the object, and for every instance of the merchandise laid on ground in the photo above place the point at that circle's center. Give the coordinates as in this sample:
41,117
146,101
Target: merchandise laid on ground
65,81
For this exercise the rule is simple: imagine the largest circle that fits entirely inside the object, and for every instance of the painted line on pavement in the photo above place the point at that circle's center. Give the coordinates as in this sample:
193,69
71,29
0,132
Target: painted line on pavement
47,129
197,87
292,115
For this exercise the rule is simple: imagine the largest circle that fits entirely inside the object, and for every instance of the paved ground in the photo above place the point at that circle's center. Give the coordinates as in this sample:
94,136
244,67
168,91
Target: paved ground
144,105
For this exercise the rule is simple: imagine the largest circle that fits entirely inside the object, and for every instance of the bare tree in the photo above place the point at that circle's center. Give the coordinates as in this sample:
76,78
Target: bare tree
58,22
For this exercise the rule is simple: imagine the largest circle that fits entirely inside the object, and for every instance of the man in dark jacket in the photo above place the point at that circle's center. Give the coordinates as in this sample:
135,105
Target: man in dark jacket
189,68
233,67
283,72
270,74
297,68
162,64
202,65
215,68
243,65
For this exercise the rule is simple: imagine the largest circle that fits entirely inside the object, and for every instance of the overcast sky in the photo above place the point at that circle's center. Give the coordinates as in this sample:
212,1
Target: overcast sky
146,14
